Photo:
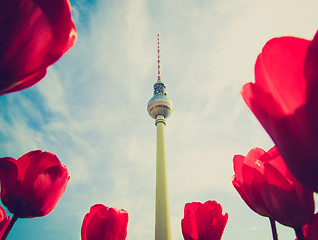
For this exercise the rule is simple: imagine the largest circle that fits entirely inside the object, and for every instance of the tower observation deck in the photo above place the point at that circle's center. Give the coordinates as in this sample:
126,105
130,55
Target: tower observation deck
160,107
159,104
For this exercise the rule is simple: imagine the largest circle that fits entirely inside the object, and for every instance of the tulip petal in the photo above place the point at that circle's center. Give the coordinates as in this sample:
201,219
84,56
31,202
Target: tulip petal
23,83
103,223
271,190
243,180
310,230
210,221
93,210
32,185
48,188
276,193
34,162
37,34
279,71
311,61
188,223
4,221
8,177
203,221
285,102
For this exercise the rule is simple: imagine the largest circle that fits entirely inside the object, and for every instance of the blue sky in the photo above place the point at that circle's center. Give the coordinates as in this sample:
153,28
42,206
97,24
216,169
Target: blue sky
90,109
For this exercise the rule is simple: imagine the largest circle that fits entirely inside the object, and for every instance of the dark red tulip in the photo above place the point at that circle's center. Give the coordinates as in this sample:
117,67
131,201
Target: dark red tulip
104,223
284,99
34,34
32,185
203,221
310,230
4,221
268,188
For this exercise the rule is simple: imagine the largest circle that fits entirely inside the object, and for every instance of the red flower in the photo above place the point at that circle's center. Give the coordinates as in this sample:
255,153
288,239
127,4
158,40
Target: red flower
104,223
32,185
310,230
203,221
34,34
4,221
268,188
284,99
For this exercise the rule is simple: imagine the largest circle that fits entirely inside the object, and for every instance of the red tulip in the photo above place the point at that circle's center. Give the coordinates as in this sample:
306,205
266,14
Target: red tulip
104,223
284,99
203,221
4,221
34,34
32,185
268,188
310,230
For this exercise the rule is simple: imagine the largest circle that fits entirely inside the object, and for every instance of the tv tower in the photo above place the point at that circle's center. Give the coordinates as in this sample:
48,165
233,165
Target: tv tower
160,107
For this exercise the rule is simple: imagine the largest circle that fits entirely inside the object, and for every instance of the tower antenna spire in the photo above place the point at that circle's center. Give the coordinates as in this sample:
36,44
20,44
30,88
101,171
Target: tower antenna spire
159,72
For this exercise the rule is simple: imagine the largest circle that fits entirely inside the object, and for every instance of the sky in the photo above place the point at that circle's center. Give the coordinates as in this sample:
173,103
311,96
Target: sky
90,110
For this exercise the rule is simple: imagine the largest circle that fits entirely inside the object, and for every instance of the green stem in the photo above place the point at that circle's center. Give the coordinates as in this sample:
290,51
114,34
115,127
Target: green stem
6,233
299,233
274,230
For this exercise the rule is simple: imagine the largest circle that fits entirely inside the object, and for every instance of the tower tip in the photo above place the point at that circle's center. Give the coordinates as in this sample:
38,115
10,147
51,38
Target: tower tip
159,73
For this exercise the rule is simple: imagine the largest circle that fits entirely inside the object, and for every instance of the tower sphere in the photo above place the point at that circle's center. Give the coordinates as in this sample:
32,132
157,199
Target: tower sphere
159,105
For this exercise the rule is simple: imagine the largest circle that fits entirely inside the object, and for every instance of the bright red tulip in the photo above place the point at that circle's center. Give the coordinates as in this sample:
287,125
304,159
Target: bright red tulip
203,221
32,185
284,99
34,34
268,188
104,223
4,221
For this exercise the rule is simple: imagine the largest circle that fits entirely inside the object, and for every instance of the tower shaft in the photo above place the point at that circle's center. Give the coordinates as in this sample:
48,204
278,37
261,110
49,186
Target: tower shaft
162,225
